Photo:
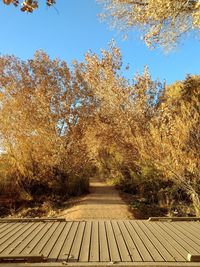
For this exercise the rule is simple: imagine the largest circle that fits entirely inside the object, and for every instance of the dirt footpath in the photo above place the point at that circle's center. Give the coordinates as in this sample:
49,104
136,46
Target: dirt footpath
103,202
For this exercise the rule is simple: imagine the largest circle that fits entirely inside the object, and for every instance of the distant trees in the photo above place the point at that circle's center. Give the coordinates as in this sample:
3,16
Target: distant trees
28,5
163,22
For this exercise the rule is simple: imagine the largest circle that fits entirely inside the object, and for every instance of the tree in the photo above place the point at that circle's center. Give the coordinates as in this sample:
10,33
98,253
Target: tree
143,127
59,124
122,112
41,123
173,140
163,22
28,5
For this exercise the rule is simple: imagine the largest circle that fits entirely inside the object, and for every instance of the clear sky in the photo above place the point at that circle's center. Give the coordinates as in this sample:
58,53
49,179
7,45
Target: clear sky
75,28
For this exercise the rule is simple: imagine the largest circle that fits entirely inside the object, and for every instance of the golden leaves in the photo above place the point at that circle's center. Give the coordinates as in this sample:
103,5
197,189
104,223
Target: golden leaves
28,5
163,22
7,2
53,117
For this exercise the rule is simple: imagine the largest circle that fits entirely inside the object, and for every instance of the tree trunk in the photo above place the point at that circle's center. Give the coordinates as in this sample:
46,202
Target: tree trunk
196,202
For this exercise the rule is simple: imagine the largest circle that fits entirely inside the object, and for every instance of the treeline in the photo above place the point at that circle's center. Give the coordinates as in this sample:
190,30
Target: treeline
61,125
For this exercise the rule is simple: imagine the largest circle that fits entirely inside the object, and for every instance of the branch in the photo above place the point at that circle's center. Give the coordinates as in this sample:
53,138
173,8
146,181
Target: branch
133,2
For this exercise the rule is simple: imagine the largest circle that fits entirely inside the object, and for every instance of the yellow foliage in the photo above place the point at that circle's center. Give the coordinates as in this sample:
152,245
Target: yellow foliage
163,22
59,126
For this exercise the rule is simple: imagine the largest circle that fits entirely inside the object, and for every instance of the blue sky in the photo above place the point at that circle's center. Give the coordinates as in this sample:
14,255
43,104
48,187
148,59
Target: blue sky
76,29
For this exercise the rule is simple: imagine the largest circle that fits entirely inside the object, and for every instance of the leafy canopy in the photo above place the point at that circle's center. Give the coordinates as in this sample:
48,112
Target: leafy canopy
163,22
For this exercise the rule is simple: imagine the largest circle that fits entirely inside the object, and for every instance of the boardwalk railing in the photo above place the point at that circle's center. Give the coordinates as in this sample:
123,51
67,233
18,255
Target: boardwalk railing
174,219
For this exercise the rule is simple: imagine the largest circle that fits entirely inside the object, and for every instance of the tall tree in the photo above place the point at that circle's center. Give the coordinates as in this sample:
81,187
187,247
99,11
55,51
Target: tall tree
172,142
41,122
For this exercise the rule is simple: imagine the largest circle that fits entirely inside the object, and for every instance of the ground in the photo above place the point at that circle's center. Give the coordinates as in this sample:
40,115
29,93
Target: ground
103,202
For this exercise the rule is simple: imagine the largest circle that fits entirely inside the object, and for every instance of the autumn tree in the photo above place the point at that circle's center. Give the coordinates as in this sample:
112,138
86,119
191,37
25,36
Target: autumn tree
173,140
60,125
122,111
40,122
142,131
163,22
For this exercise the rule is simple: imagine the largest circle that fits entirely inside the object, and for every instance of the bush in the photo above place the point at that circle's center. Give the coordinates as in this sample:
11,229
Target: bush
78,185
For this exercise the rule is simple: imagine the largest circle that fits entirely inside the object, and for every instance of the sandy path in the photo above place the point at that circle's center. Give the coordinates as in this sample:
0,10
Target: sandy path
103,202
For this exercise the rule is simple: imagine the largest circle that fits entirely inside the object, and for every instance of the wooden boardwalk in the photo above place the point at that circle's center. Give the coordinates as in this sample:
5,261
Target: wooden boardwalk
99,243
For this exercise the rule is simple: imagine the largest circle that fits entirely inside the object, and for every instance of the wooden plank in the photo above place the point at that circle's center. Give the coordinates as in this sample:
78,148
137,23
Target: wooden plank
185,237
182,243
159,246
9,232
190,232
193,258
8,240
53,256
33,243
148,244
124,253
139,244
194,227
65,251
23,258
8,220
20,240
171,240
41,244
162,237
10,227
94,264
52,240
133,251
85,248
2,225
112,244
75,250
173,219
103,243
25,243
94,246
